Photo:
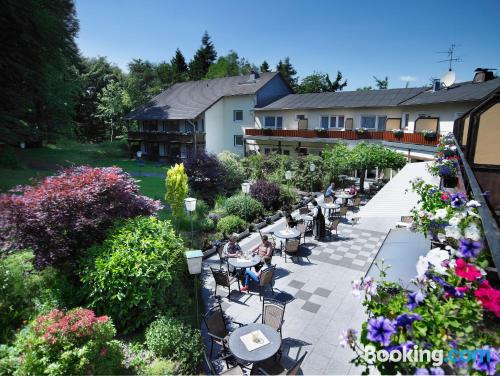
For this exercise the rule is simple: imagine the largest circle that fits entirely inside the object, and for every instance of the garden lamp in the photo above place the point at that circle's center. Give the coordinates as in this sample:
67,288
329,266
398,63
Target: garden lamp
312,168
245,188
190,205
194,260
288,175
139,154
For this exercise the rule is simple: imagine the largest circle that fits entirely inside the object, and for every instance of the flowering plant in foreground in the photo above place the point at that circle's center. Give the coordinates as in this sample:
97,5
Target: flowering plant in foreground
449,305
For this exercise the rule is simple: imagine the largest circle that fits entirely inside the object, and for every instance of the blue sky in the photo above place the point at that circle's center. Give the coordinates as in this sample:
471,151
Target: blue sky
359,38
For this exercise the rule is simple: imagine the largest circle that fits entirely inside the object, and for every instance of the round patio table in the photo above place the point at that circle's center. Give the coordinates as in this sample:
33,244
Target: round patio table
240,351
343,196
290,234
329,207
239,264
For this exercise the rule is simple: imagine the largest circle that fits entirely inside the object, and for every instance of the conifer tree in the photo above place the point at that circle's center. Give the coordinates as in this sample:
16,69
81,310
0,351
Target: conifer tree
202,59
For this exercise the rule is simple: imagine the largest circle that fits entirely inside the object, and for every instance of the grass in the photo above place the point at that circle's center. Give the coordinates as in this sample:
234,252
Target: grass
39,162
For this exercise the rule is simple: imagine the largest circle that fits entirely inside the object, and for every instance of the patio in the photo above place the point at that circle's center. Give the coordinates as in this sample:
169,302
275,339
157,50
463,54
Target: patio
317,286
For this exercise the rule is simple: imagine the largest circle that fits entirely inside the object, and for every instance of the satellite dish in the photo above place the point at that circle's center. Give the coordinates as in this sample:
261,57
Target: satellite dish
449,78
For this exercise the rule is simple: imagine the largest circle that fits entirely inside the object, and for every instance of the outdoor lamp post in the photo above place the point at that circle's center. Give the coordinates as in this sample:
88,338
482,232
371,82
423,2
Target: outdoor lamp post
245,188
312,168
288,177
190,205
194,260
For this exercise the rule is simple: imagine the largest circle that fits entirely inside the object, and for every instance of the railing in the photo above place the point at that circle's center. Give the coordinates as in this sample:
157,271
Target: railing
158,136
410,138
468,181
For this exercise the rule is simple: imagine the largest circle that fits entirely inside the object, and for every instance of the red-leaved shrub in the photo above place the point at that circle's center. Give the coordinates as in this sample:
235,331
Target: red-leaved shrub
64,214
266,192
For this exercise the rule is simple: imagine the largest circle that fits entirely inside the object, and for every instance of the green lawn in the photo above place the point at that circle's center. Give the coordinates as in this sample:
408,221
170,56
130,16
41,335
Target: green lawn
39,162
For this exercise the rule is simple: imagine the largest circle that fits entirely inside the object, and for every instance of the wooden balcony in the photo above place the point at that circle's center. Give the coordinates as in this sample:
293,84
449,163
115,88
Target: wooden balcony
409,138
172,137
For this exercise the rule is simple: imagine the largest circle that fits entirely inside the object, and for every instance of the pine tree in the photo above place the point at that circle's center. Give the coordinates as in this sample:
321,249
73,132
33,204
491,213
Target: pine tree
381,84
179,66
203,58
264,67
288,72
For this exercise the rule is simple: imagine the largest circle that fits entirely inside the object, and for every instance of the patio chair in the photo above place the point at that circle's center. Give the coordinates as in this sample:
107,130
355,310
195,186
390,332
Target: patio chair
273,314
356,202
328,200
302,227
266,278
292,247
216,327
234,370
222,278
333,226
304,210
220,252
273,367
342,212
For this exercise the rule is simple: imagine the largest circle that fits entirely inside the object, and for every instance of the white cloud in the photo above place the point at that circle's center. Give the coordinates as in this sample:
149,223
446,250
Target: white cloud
408,78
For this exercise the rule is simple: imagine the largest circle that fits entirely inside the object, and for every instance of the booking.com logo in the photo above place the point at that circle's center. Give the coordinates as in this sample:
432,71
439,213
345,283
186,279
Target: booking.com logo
416,355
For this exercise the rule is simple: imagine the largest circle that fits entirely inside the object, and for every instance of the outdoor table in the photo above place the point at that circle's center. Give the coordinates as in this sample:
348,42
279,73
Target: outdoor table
343,196
240,351
291,234
329,207
238,264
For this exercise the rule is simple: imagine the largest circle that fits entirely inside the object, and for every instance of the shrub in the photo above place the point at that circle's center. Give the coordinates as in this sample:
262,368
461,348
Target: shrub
169,338
64,214
267,193
287,197
159,367
231,224
244,206
8,159
137,273
233,169
253,166
72,343
303,178
205,175
25,292
176,184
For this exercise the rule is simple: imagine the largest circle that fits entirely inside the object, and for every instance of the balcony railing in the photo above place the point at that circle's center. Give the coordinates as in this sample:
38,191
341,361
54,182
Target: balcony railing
410,138
175,137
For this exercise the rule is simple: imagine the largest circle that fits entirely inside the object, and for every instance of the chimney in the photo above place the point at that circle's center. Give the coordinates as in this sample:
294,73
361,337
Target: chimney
436,85
483,75
253,76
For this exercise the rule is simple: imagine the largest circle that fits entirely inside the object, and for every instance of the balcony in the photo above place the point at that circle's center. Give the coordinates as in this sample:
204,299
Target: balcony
409,138
173,137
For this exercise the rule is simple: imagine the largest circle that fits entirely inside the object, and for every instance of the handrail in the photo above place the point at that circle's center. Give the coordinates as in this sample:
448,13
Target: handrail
490,227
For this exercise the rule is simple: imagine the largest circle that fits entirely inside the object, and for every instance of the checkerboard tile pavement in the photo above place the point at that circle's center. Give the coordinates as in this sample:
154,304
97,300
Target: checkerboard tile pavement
355,248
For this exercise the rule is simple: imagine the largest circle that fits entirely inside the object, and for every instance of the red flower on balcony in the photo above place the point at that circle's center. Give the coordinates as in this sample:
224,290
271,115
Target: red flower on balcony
467,271
489,297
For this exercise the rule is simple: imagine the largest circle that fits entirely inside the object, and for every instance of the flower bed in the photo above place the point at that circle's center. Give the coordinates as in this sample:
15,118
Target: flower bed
451,306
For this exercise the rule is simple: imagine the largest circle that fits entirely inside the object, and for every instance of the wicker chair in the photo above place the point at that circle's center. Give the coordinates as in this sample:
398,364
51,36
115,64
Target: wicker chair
272,367
328,200
333,226
356,202
216,327
222,278
342,212
220,252
266,278
235,370
292,247
273,314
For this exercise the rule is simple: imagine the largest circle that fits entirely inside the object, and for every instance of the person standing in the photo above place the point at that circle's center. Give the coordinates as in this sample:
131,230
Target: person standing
318,221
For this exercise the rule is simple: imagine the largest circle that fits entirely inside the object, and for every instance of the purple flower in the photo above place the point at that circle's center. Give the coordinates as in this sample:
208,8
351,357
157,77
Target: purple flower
468,248
421,371
380,330
445,170
437,371
406,320
487,364
458,200
401,347
414,299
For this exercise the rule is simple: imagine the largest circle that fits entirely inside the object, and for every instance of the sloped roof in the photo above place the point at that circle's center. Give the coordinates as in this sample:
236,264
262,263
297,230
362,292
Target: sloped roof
461,92
344,99
187,100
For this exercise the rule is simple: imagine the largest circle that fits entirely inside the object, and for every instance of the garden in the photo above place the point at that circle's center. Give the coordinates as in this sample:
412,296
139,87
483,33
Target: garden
93,275
453,304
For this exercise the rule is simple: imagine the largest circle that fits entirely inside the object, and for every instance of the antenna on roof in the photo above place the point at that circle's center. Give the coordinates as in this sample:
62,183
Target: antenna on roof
450,58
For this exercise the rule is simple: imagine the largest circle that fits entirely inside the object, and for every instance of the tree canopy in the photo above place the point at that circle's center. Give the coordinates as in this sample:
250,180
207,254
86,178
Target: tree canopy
203,58
229,65
264,67
320,82
288,72
381,83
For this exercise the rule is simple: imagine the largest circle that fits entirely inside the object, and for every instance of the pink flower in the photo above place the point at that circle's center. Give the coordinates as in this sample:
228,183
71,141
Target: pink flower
445,196
467,271
489,297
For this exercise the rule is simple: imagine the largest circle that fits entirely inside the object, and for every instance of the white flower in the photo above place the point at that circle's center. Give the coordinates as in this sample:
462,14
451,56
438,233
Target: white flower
453,232
441,237
436,256
455,220
356,287
441,214
473,204
422,213
472,232
422,266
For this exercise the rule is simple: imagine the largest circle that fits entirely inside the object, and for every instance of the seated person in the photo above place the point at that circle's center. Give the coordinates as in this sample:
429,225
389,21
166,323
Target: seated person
353,191
330,190
231,249
290,221
255,276
263,249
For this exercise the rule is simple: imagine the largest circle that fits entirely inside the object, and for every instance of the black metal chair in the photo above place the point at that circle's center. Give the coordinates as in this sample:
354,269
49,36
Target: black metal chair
273,367
222,278
234,370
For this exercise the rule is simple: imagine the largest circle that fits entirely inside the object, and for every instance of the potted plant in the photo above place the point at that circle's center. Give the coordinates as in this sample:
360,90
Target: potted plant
321,131
448,170
428,134
267,131
398,133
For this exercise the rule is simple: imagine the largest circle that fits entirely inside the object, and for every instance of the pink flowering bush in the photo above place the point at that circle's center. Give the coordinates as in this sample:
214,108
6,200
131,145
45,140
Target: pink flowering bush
64,214
73,343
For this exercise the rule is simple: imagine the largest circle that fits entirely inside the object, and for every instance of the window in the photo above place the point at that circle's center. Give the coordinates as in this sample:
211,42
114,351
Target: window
238,115
333,122
407,120
324,122
340,123
301,117
238,140
368,122
381,120
273,122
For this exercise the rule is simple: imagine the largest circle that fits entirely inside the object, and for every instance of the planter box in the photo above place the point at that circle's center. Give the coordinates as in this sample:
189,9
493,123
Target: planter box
242,235
275,217
209,252
450,182
296,206
258,226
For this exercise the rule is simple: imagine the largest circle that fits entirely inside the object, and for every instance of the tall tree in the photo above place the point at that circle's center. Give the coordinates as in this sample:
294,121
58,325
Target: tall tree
113,103
38,84
229,65
202,59
288,72
320,83
381,83
179,66
264,67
